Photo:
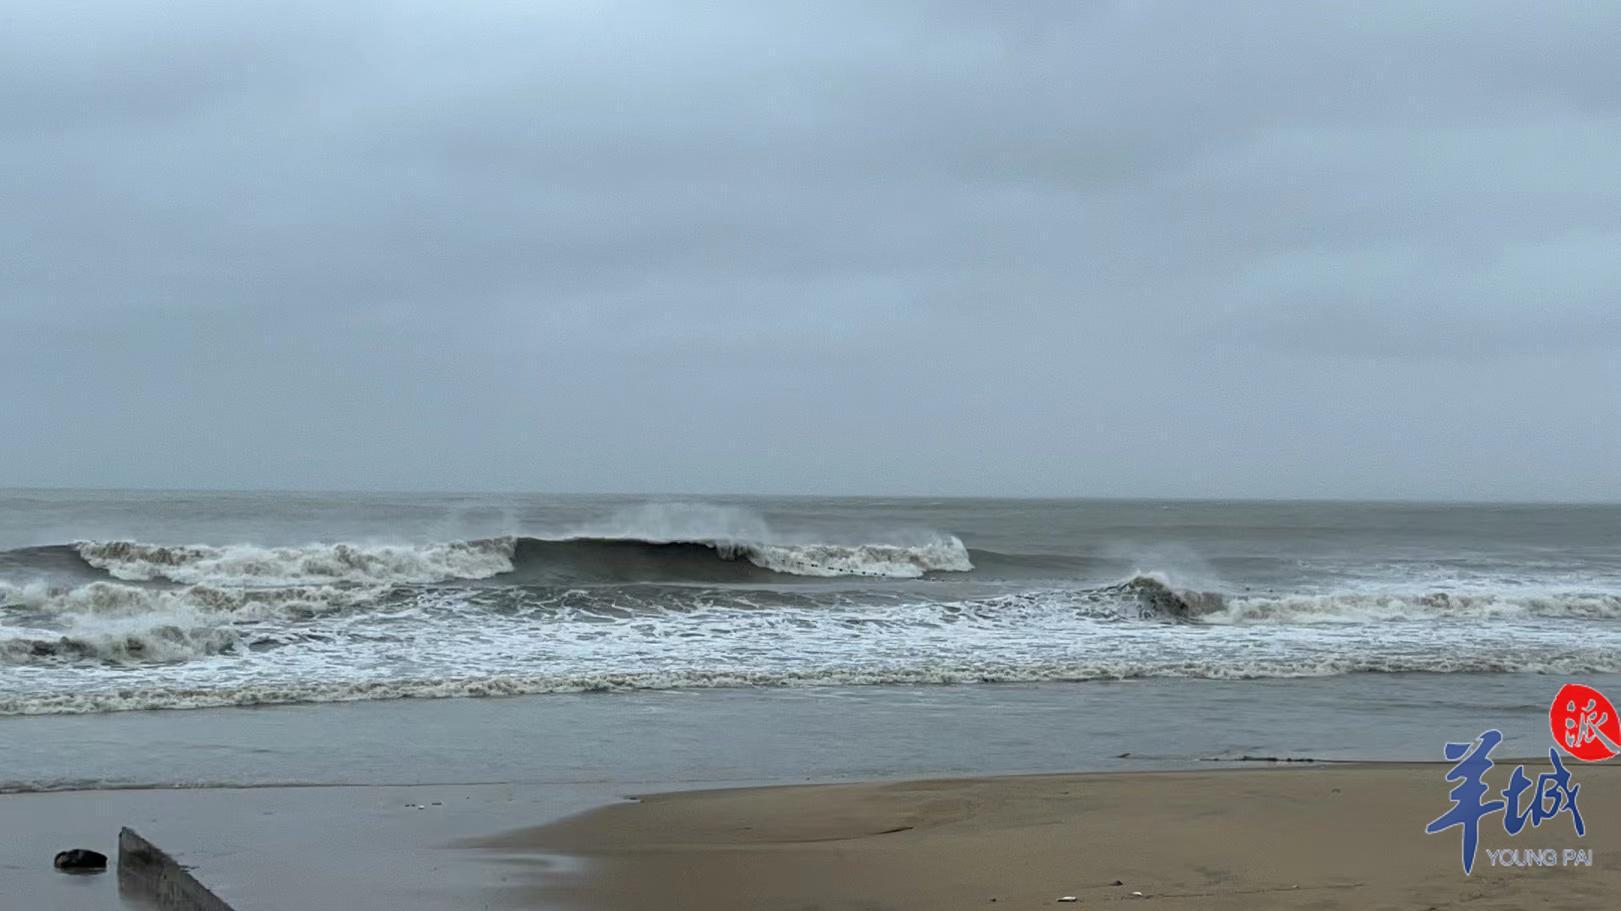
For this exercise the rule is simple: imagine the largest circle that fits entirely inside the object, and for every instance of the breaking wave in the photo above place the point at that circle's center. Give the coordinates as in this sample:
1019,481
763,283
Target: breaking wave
1159,597
109,622
247,564
720,561
578,559
128,623
161,644
112,599
684,596
546,598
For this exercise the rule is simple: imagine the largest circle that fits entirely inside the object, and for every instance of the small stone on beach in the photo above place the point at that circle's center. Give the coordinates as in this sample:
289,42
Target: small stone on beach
80,860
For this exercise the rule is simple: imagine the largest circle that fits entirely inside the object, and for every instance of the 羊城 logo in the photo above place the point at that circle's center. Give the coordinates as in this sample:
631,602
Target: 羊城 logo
1584,725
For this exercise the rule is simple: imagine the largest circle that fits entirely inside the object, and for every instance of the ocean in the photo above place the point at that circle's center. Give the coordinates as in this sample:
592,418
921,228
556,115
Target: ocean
255,679
113,601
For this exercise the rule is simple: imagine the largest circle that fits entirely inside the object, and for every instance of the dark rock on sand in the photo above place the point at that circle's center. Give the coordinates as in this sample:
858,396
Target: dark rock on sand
81,860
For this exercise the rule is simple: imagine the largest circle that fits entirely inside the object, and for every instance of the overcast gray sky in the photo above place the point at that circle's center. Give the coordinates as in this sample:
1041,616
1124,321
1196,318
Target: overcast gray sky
1111,248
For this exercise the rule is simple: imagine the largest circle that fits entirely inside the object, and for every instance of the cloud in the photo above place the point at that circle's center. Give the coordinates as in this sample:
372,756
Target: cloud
927,247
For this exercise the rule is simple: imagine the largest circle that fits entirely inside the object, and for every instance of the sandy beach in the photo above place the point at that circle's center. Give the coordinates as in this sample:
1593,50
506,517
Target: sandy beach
1314,836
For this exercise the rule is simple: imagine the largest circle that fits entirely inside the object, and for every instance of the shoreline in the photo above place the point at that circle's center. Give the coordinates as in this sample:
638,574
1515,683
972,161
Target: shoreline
1295,835
318,805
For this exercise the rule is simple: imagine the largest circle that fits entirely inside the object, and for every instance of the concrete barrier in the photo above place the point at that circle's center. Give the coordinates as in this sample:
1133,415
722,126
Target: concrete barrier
144,870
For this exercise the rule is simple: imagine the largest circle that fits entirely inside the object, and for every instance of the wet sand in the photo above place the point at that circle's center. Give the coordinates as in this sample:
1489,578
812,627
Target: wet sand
365,848
1320,837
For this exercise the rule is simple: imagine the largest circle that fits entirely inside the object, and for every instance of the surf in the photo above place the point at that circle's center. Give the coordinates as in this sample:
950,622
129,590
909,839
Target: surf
583,559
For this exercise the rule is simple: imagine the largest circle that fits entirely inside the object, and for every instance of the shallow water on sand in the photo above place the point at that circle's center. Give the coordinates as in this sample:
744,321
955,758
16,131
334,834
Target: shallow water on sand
358,804
778,734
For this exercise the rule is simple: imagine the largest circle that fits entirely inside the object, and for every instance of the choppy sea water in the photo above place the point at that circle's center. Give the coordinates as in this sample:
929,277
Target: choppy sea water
155,600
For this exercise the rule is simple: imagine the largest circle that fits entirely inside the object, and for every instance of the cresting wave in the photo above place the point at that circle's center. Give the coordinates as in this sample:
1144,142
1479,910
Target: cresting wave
248,564
578,559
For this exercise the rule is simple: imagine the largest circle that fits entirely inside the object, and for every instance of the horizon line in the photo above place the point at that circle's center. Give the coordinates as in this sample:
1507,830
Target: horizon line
734,495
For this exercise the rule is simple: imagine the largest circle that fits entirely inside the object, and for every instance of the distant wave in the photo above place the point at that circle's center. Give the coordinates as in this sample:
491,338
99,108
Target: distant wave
248,564
578,559
632,560
1160,597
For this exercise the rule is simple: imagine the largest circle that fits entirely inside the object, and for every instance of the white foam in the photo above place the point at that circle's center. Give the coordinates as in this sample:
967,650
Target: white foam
113,622
116,599
1387,607
248,564
118,642
111,646
1160,594
734,531
946,554
945,672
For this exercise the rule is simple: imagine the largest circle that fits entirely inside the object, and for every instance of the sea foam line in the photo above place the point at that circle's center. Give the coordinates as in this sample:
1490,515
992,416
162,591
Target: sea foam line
149,698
